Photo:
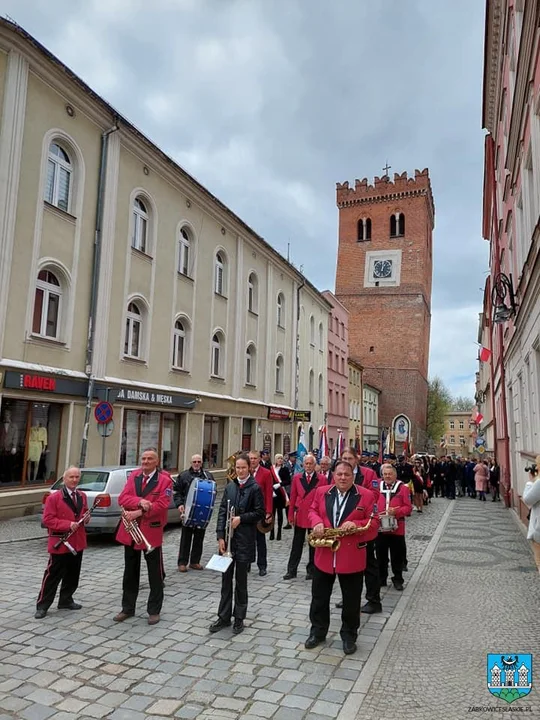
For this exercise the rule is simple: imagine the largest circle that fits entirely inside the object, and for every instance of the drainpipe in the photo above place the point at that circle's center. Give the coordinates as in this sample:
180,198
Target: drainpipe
95,286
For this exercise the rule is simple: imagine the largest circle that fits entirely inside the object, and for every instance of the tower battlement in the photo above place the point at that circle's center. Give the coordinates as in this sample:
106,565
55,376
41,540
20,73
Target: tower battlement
385,189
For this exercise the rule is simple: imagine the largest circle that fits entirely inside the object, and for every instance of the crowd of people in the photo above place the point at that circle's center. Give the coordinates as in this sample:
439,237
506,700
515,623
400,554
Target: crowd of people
353,512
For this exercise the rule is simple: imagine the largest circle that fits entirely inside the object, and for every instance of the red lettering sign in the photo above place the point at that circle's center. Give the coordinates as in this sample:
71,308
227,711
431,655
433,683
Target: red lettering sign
38,382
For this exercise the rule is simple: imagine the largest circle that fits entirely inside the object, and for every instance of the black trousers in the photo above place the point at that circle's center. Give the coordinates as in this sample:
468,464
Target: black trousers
371,575
450,488
64,568
319,612
297,548
132,577
191,546
278,512
395,545
262,560
239,572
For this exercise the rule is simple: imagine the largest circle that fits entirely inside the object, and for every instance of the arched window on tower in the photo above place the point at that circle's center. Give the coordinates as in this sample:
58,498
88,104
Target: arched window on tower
397,225
364,229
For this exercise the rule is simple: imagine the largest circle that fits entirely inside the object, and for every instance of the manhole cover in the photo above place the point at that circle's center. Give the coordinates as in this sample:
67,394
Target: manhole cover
421,537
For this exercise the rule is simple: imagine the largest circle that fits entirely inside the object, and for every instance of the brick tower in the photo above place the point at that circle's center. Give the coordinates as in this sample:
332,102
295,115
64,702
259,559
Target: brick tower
383,278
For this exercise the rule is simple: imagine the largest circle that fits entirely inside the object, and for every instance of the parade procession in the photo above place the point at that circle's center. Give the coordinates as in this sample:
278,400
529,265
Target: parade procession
269,359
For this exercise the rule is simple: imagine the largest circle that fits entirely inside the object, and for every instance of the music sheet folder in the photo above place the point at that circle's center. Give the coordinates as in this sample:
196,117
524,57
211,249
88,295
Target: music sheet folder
221,563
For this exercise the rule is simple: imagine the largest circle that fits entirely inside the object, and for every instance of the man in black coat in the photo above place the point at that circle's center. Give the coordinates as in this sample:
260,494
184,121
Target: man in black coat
450,475
192,538
237,534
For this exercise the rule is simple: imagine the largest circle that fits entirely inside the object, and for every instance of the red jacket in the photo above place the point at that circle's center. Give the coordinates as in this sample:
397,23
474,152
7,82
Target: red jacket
58,515
359,507
301,497
152,523
265,480
371,480
399,499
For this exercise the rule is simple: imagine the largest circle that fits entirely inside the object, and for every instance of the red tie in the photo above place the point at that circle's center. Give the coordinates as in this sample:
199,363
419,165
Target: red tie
144,481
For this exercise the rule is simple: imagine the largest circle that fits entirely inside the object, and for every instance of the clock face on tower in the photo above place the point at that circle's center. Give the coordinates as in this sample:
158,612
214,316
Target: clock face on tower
382,269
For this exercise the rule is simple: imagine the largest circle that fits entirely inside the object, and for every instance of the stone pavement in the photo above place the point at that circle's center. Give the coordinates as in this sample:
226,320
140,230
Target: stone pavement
476,591
82,665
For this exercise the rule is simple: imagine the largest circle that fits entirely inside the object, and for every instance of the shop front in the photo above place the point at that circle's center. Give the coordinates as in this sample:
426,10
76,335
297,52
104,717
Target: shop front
35,416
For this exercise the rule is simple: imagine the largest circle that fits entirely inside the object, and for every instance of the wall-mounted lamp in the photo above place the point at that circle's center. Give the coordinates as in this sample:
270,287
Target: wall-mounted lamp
503,298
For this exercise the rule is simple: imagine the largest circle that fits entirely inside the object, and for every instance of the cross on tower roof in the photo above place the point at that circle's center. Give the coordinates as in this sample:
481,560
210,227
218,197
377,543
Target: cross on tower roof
386,168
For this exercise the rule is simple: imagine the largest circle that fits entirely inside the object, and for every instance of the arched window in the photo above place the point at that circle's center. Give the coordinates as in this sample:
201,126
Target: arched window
47,305
253,293
281,310
321,336
59,177
180,344
185,252
139,239
311,386
279,374
250,364
321,390
364,229
312,329
217,355
397,225
134,328
219,274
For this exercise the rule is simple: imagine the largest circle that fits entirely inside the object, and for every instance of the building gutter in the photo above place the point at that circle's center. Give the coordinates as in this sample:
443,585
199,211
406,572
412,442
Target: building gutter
89,365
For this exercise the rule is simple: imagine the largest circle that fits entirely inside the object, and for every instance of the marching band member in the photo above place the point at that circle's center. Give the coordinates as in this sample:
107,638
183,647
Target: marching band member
399,506
282,483
264,479
244,498
367,478
302,488
347,506
63,510
145,498
192,538
325,464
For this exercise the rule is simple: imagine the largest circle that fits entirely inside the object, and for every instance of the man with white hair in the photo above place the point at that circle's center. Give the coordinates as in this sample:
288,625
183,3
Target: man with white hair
63,512
192,538
325,464
394,501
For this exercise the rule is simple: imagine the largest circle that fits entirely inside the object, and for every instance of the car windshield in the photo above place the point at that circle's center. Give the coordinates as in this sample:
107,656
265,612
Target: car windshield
91,480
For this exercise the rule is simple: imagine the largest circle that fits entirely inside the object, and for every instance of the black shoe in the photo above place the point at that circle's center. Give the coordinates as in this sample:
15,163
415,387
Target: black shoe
398,585
40,613
288,526
271,536
289,576
349,647
249,567
262,572
312,642
278,536
339,604
371,608
219,625
238,627
309,576
383,583
71,606
406,567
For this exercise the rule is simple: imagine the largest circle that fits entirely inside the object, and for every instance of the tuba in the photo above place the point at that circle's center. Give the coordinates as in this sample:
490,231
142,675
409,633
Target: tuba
331,537
231,469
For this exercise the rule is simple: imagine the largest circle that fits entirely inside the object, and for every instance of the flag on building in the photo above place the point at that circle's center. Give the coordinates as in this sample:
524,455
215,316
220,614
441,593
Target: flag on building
301,451
324,450
485,354
477,418
443,442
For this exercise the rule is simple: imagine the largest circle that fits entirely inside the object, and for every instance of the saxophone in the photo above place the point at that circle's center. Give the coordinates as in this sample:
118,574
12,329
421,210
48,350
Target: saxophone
331,537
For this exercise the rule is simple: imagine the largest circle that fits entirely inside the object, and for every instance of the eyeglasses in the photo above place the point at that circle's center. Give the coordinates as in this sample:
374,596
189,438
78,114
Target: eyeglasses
197,462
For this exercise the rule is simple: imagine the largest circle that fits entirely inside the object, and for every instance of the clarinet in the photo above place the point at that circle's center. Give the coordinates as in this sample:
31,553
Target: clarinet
65,537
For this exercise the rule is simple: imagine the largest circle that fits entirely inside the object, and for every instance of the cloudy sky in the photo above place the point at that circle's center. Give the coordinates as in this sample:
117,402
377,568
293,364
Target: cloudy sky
269,103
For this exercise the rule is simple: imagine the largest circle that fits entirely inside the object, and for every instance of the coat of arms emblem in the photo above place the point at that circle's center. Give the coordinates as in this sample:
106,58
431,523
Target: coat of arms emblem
509,676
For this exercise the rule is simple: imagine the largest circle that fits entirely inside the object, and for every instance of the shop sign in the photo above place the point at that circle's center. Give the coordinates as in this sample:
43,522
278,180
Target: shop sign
302,416
277,413
45,383
154,398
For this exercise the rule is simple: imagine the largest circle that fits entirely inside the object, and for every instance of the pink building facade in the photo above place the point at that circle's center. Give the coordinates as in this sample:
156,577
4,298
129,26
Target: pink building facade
337,417
511,313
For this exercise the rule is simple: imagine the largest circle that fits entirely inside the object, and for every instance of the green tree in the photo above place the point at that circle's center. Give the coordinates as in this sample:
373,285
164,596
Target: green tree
461,403
439,402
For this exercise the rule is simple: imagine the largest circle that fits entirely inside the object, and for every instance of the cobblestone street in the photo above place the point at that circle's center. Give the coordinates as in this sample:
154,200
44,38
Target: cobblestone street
471,592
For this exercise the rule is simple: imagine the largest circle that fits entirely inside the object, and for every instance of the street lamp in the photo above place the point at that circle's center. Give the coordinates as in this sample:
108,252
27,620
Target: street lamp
502,292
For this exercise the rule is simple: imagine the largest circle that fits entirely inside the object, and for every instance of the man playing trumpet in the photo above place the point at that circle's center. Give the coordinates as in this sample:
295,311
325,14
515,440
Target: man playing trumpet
145,500
352,509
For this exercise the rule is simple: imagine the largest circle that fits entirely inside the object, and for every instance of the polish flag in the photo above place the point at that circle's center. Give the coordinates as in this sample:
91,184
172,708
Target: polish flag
485,354
477,420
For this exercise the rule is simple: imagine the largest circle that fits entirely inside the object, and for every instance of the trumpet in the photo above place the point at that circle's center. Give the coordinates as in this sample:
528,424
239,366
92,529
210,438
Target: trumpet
136,533
229,530
331,537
